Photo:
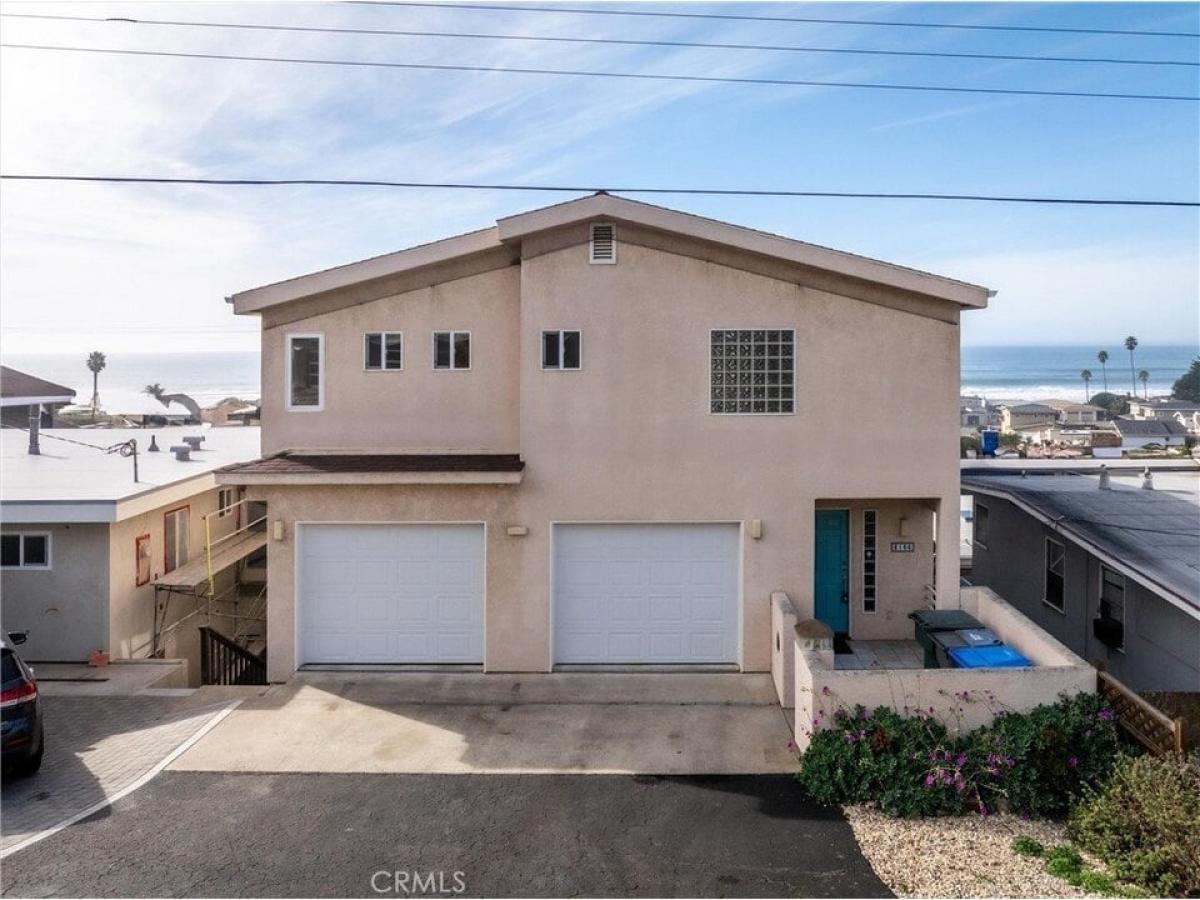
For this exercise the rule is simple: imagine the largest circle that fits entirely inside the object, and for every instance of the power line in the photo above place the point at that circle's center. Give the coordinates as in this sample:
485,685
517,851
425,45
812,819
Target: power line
582,73
744,18
627,42
720,192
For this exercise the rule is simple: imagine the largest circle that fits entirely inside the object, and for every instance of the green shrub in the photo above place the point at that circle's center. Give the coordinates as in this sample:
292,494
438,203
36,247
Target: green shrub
1145,824
1035,762
879,757
1027,846
1042,761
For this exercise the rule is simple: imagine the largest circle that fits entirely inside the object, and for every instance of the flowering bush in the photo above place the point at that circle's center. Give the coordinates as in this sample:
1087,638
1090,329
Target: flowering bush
911,765
1040,762
883,758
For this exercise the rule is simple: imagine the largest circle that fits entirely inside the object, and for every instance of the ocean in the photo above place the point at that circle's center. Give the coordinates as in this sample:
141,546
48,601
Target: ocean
1028,373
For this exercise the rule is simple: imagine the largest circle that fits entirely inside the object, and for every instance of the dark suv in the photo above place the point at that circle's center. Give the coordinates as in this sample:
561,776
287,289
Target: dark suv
21,737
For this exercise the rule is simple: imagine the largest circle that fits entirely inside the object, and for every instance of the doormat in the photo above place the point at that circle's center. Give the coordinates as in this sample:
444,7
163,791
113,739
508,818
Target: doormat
841,644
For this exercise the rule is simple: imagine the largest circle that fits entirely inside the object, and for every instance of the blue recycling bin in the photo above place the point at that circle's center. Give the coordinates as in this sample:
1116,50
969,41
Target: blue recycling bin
997,656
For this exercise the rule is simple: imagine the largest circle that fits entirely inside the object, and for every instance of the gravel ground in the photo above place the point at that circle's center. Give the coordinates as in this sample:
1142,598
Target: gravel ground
963,856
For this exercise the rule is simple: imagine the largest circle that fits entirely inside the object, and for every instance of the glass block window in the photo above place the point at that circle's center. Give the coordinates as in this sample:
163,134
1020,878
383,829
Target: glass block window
752,371
870,545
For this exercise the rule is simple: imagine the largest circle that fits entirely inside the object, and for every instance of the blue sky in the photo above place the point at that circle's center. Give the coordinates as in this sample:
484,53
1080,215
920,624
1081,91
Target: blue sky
127,268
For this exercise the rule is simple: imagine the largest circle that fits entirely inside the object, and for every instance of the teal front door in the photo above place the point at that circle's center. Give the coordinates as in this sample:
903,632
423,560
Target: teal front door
831,588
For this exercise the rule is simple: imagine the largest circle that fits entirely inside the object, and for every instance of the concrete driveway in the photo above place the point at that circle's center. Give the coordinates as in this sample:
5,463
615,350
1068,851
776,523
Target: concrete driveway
464,723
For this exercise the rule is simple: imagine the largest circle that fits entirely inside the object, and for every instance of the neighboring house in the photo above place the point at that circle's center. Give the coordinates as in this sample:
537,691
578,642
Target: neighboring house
1072,413
1136,433
1111,572
25,398
84,545
602,433
1026,415
1162,410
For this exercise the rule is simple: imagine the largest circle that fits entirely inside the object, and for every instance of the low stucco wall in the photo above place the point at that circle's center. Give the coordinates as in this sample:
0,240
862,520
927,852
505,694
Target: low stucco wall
963,699
783,648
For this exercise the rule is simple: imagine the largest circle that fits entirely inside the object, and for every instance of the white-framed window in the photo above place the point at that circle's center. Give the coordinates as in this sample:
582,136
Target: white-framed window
752,371
383,351
980,525
176,537
1056,575
602,245
25,550
305,375
562,350
225,500
452,349
870,558
1112,598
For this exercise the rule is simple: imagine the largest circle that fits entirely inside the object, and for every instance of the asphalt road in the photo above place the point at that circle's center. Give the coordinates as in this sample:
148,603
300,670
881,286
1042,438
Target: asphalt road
219,835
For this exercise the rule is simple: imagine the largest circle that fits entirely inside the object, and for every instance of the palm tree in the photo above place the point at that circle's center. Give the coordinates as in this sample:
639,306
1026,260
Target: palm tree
1086,375
1144,378
1131,345
155,390
95,363
1103,357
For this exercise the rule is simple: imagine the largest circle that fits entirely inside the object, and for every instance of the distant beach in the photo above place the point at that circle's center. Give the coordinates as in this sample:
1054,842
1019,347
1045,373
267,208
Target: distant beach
1042,372
1030,373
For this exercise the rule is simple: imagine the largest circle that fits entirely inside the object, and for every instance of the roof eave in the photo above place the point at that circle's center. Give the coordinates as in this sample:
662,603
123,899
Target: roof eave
514,228
1179,601
258,299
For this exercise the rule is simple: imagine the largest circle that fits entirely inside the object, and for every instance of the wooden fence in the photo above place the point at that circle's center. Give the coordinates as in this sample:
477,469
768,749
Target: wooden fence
1143,721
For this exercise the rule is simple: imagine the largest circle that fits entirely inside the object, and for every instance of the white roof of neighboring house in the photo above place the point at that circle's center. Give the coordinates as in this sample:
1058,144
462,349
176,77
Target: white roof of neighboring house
512,229
73,481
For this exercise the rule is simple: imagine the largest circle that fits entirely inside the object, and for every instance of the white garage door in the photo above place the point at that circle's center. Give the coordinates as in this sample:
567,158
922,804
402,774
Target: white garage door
645,593
391,594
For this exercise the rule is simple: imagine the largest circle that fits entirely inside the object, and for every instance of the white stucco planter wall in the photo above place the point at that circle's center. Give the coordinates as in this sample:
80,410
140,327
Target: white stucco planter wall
783,648
963,699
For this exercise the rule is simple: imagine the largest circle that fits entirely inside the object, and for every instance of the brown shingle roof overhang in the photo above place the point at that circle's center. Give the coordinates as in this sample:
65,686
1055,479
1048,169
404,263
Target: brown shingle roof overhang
15,384
285,464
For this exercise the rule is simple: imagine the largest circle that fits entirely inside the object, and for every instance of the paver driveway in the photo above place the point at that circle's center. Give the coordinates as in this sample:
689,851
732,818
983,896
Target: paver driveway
208,834
96,746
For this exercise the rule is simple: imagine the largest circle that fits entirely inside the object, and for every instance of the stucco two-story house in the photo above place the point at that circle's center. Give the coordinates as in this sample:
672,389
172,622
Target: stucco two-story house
602,433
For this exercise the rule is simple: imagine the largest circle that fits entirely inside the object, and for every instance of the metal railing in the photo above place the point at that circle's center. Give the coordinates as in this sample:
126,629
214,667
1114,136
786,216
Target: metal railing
223,661
223,513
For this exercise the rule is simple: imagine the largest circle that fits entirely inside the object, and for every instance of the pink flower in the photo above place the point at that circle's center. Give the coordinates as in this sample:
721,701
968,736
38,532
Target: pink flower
1073,762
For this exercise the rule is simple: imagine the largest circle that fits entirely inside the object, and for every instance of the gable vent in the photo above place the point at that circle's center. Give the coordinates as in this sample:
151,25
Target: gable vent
604,243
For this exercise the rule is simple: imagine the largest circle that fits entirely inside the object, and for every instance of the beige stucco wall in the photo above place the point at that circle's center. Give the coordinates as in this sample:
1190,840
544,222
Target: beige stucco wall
963,699
629,438
131,607
63,607
416,407
901,578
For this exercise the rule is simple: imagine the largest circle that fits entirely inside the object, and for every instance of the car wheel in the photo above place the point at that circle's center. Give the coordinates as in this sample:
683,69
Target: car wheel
32,764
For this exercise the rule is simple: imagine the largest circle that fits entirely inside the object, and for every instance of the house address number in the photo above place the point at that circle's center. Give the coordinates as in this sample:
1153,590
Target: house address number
903,546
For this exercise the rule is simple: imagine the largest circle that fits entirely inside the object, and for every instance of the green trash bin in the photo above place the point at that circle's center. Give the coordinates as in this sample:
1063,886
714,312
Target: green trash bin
927,622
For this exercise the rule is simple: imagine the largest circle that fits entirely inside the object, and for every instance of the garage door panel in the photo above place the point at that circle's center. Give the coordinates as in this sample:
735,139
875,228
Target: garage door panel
391,594
646,593
666,609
